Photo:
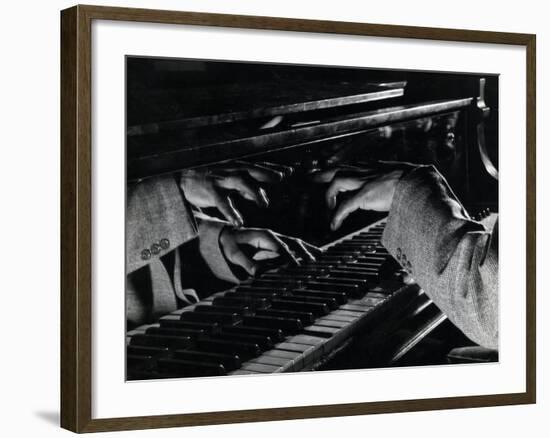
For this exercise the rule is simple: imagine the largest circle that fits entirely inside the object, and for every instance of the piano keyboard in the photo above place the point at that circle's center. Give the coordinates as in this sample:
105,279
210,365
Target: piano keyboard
287,320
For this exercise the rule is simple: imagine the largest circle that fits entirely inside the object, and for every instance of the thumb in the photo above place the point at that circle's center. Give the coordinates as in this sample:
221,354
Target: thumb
346,207
238,257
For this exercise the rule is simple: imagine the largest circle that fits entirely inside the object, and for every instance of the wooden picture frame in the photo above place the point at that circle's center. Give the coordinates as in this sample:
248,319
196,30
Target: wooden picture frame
76,217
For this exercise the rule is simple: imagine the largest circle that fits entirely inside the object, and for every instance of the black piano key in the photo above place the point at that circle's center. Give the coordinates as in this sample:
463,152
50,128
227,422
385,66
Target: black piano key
223,318
361,240
305,317
339,297
331,303
276,283
261,289
189,368
322,265
151,340
358,247
138,350
350,288
264,342
287,325
139,362
210,327
318,309
276,335
349,253
206,308
230,362
244,350
281,276
319,333
360,277
244,293
351,267
327,258
150,375
306,270
171,331
371,258
367,265
251,302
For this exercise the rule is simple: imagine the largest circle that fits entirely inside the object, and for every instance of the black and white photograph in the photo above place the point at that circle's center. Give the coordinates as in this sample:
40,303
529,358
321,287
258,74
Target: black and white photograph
287,218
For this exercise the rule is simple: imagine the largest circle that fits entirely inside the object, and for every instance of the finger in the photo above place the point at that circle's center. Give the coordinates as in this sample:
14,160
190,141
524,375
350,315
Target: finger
265,240
324,176
225,206
342,184
283,168
237,257
299,248
265,255
260,172
316,251
246,186
327,175
346,207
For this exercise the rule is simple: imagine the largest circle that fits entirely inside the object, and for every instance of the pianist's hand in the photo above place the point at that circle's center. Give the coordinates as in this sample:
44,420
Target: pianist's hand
249,247
213,186
368,188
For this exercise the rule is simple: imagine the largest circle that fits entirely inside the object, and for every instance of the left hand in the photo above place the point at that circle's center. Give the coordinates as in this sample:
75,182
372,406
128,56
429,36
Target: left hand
263,244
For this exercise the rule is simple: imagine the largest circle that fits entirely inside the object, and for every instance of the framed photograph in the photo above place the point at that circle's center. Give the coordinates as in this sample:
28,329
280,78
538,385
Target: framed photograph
269,218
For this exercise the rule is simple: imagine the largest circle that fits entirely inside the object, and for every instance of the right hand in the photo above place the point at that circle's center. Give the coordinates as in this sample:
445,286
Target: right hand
213,186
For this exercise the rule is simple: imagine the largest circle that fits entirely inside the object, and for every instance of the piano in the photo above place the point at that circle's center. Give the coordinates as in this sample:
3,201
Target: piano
350,308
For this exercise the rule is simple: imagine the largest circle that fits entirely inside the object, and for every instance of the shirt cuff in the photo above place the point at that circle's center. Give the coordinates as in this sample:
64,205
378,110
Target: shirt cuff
209,245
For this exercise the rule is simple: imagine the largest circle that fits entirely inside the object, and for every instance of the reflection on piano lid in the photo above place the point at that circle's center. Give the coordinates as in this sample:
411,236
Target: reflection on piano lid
190,127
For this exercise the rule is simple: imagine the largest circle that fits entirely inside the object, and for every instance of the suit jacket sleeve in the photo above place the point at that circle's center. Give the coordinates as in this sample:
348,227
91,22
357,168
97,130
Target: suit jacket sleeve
210,249
452,257
158,219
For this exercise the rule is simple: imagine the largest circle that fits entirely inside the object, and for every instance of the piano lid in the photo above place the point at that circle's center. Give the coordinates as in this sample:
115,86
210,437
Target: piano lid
169,151
193,107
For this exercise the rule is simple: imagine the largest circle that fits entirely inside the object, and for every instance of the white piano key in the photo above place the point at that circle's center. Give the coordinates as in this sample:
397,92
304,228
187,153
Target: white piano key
375,295
315,328
270,360
331,323
241,372
352,313
372,302
355,308
294,360
341,318
306,339
260,368
290,346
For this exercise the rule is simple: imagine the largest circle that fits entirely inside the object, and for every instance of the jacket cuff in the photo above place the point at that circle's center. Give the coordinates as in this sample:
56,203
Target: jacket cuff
426,221
158,219
209,245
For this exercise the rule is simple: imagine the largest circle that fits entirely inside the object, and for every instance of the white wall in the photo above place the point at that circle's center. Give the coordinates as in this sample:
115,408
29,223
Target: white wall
29,186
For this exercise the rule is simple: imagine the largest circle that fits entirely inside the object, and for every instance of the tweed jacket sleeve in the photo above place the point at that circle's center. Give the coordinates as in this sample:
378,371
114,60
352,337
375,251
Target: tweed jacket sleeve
210,249
158,219
452,257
